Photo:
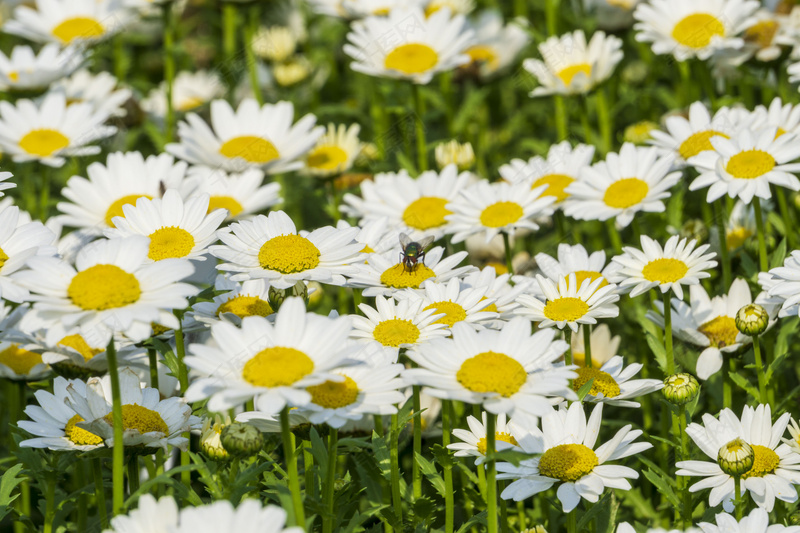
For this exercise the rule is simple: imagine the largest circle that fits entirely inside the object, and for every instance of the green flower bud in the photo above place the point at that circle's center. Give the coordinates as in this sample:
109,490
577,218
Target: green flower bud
639,133
736,457
680,389
211,438
695,229
278,296
752,320
794,519
242,440
534,529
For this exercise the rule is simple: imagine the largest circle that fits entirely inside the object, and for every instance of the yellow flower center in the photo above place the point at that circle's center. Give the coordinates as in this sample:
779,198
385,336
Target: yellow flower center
779,132
43,142
665,270
721,331
79,344
603,382
453,312
288,254
328,158
19,360
115,209
556,183
565,309
699,142
697,30
170,242
499,268
491,308
765,462
158,329
483,54
499,436
492,372
13,76
501,214
367,250
583,275
102,287
750,164
737,237
80,436
190,103
396,331
78,28
567,462
762,33
426,212
411,58
399,277
625,193
243,306
250,148
277,367
225,202
3,258
332,394
140,418
568,74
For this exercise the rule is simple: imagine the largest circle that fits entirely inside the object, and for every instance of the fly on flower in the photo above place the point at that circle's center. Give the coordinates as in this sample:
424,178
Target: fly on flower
413,251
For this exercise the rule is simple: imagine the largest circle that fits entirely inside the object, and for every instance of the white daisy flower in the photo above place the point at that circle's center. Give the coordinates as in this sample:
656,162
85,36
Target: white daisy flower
54,423
566,456
269,247
506,371
152,516
19,361
20,241
565,303
252,136
23,70
148,421
407,45
747,164
416,206
776,467
101,90
272,363
625,527
709,323
784,117
679,262
69,21
492,208
190,90
126,177
573,259
455,301
740,226
241,194
782,285
463,7
498,289
613,384
112,290
688,29
604,346
249,517
637,179
385,273
474,440
176,228
366,8
51,130
756,522
561,167
4,186
571,66
335,151
613,15
496,44
397,324
234,301
376,235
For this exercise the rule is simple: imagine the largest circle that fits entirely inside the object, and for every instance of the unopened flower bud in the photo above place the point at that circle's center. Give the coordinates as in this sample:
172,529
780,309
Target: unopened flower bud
736,457
534,529
680,389
451,152
242,440
278,296
794,518
639,133
752,320
210,438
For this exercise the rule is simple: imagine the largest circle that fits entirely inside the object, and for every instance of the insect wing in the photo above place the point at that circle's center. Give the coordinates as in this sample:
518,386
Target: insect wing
405,240
424,243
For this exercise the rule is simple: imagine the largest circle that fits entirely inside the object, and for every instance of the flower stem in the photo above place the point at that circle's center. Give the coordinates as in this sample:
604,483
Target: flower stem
50,508
100,491
737,494
568,354
668,334
603,120
551,16
727,385
44,193
152,358
183,380
687,498
422,154
762,377
572,522
762,243
449,511
786,215
491,474
250,28
169,67
229,40
416,476
722,215
119,450
561,117
613,235
328,517
587,345
507,245
397,501
291,469
133,475
83,497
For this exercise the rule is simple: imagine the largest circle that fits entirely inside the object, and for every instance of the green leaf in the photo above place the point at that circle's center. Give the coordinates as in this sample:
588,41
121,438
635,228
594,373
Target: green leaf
744,384
8,483
778,255
382,455
663,487
428,469
584,390
600,511
510,456
479,518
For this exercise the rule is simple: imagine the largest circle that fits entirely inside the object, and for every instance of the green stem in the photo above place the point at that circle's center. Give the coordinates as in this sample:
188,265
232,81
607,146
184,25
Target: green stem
737,494
509,258
684,487
572,522
762,377
503,508
118,453
568,354
520,8
762,243
422,145
449,511
44,193
183,380
83,498
613,235
152,358
397,501
308,464
416,475
668,333
100,491
722,216
291,469
120,56
491,474
330,514
786,215
133,475
587,345
250,28
727,385
50,496
551,16
603,120
169,67
561,117
229,41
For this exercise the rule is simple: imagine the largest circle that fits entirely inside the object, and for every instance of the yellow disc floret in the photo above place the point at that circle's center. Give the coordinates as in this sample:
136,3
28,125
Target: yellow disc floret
501,214
750,164
567,462
399,277
396,331
327,158
556,183
333,394
3,258
699,142
277,367
453,312
592,276
766,462
102,287
499,436
43,142
170,242
603,382
565,309
243,306
411,58
288,254
80,436
225,202
568,74
721,331
492,372
79,344
665,270
625,193
77,28
115,209
141,419
426,212
250,148
697,30
19,360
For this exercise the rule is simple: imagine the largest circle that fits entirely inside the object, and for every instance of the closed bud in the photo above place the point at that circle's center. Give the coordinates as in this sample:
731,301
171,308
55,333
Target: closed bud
736,458
210,438
680,389
456,153
242,440
278,296
639,133
752,320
